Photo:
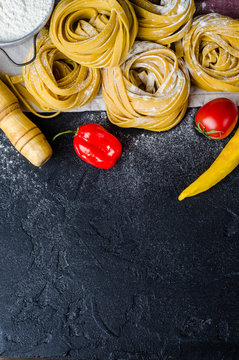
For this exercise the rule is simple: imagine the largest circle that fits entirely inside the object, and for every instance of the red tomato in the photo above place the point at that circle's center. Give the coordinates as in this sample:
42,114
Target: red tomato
217,118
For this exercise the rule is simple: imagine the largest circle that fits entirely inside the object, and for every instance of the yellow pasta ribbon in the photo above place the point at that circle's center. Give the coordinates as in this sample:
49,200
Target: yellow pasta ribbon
57,82
165,24
15,85
53,82
212,52
94,33
149,90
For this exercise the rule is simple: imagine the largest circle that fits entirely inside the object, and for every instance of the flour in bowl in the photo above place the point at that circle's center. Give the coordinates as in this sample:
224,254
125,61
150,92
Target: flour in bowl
18,18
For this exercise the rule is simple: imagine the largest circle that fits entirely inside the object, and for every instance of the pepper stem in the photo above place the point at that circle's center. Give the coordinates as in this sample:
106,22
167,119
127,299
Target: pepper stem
64,132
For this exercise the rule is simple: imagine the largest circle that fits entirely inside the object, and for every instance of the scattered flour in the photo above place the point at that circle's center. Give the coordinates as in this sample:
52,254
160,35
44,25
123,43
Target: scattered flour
166,6
20,17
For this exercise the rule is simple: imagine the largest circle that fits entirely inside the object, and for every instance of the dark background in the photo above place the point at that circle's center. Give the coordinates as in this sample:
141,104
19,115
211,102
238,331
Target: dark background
99,264
108,264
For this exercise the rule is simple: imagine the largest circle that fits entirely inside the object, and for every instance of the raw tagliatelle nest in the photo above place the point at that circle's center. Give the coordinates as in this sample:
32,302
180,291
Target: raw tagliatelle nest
212,52
56,82
166,23
149,90
94,33
53,82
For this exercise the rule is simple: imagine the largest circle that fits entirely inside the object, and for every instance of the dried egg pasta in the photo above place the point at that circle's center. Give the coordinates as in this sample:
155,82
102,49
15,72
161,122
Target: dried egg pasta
94,33
212,52
166,23
54,82
149,90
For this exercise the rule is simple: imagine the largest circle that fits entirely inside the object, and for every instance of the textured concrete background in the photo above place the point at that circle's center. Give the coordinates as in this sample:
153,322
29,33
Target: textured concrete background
108,264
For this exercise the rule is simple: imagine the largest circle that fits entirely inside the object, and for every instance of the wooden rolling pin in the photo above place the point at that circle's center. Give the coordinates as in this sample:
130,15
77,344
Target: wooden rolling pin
25,136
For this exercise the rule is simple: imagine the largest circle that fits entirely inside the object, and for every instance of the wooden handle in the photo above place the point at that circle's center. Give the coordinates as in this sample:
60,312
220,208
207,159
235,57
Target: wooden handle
25,136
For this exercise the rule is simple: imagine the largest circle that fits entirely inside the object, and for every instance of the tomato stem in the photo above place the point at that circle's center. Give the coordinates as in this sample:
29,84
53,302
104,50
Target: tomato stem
64,132
206,133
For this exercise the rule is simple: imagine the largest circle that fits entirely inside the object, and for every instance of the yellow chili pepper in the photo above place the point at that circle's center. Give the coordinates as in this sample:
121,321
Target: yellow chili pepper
225,163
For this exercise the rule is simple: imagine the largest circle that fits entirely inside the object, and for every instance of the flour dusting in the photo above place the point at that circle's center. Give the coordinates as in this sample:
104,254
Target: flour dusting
18,18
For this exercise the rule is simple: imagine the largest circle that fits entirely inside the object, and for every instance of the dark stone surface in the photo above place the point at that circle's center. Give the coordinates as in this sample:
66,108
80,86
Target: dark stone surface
109,265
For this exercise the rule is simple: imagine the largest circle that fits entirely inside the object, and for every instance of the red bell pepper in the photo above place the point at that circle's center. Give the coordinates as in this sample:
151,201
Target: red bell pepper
95,145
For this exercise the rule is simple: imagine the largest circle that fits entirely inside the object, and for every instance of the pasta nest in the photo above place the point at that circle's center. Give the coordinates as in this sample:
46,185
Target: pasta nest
149,90
57,82
165,23
212,52
94,33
